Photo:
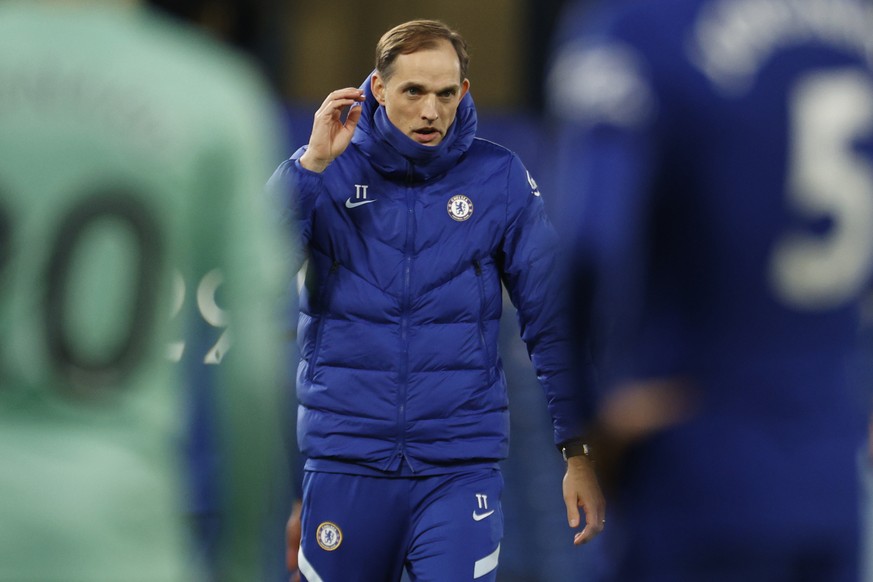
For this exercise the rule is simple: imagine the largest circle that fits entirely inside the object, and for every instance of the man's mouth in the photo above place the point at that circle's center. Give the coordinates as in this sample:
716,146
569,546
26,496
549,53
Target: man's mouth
426,134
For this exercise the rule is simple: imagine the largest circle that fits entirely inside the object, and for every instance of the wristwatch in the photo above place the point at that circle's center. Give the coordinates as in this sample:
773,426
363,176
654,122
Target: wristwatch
575,449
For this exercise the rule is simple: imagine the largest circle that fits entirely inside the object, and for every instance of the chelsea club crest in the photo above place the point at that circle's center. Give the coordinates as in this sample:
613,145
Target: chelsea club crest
329,536
460,207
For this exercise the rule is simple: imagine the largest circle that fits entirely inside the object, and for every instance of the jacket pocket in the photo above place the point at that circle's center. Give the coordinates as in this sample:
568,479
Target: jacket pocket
483,338
322,319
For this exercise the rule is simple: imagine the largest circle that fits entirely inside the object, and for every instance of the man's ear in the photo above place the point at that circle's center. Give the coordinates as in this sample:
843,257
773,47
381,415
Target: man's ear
377,86
465,86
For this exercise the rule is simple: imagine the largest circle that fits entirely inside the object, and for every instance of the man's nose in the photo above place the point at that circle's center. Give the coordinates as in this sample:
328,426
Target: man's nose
429,108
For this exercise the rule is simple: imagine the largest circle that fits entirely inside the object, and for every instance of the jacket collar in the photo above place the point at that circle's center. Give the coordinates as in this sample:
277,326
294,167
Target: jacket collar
396,155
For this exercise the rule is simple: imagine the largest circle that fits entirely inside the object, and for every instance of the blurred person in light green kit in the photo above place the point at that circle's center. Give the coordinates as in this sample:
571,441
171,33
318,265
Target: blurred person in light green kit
133,157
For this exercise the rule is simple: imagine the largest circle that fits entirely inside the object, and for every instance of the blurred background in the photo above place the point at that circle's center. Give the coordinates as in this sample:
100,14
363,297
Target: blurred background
308,49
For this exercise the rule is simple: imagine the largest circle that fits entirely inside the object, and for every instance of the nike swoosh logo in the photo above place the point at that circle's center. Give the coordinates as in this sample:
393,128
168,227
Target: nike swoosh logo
481,516
350,204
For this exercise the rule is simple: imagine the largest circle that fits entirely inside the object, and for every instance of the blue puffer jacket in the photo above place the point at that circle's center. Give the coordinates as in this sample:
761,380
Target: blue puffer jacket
408,246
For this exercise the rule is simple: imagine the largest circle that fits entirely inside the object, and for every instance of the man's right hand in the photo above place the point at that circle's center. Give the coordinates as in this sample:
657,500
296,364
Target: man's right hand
292,541
330,136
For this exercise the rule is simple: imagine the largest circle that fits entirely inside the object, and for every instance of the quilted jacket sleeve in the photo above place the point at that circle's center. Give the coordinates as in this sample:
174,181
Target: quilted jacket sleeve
298,190
533,272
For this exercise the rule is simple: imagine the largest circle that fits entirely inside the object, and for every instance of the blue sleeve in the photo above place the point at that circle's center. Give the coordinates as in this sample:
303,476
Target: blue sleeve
298,190
533,271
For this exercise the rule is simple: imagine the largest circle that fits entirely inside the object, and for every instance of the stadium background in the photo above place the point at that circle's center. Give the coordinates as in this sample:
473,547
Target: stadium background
306,50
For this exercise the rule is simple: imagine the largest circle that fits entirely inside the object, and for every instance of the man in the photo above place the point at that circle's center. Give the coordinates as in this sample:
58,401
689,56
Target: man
718,163
133,154
412,225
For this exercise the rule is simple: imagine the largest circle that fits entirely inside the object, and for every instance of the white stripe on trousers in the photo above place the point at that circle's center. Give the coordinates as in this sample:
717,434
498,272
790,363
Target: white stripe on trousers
306,568
486,564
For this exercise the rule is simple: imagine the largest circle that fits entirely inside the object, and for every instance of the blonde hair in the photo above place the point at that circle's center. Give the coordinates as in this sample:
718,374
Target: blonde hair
414,36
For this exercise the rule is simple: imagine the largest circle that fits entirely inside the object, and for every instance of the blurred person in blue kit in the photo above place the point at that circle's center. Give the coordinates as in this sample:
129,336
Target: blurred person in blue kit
717,166
134,152
412,227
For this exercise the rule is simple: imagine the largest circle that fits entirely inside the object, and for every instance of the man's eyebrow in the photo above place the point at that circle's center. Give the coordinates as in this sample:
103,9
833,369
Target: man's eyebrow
421,87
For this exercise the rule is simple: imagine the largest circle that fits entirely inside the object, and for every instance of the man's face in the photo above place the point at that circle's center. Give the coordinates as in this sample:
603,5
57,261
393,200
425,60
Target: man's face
422,95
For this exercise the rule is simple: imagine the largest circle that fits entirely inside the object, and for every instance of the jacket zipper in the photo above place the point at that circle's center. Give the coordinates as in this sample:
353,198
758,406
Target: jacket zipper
408,248
328,288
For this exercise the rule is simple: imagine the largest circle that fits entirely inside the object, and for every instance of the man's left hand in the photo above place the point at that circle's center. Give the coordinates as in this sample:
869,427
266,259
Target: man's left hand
581,489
